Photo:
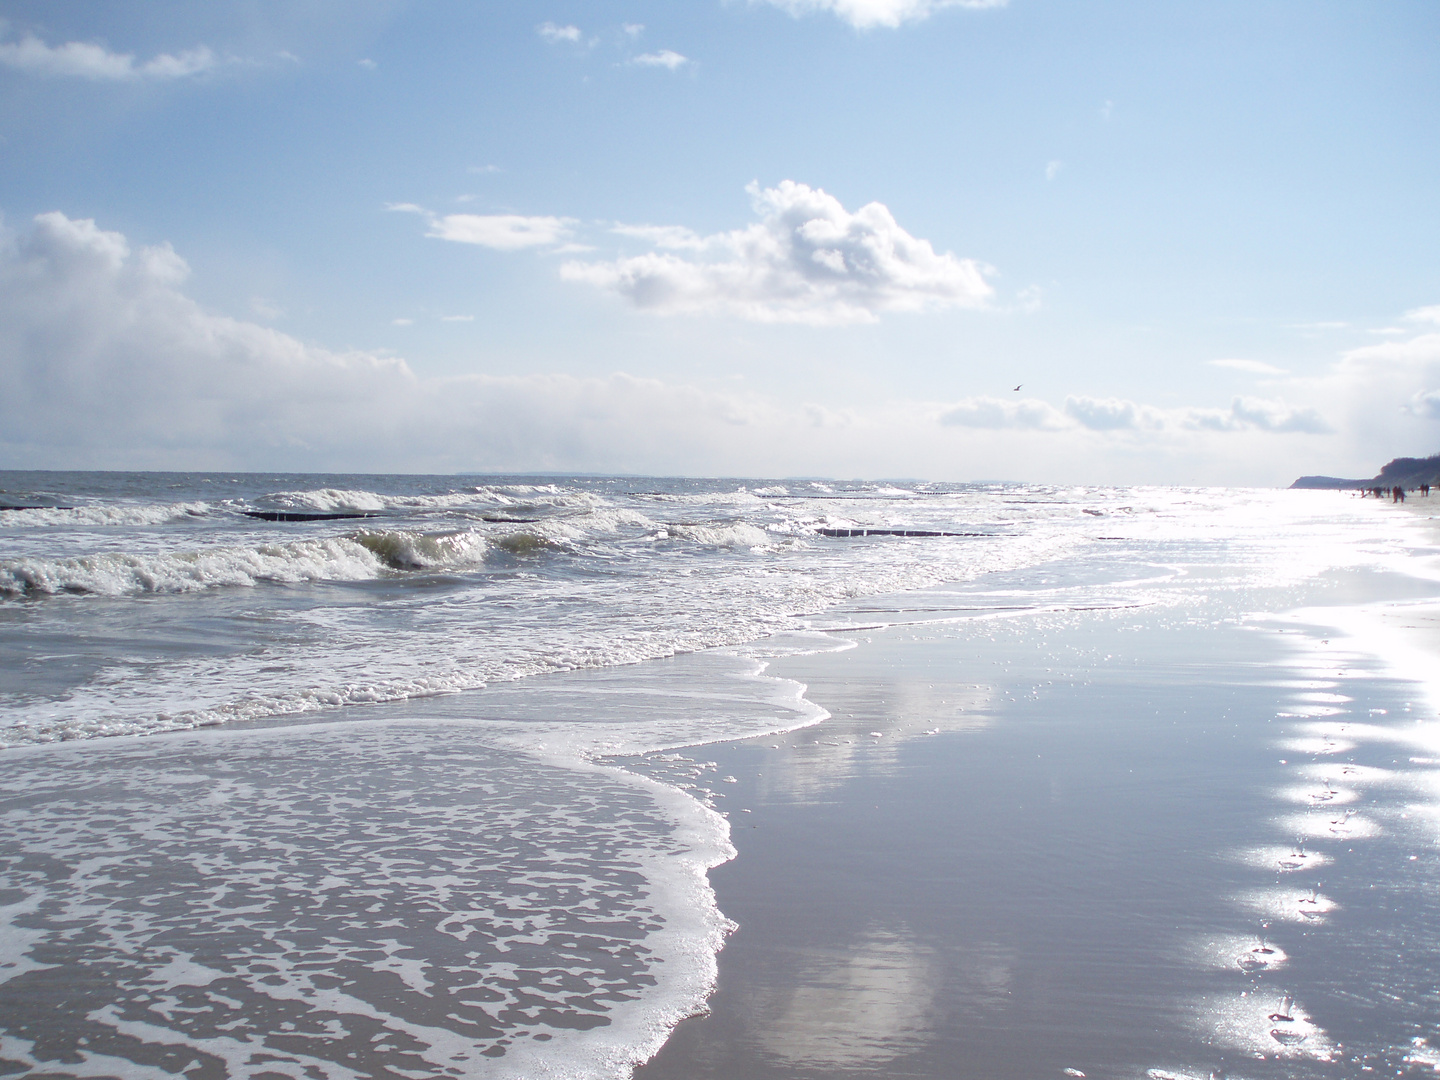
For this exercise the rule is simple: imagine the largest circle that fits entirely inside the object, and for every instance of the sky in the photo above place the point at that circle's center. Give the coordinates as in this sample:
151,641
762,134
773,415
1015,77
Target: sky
1110,242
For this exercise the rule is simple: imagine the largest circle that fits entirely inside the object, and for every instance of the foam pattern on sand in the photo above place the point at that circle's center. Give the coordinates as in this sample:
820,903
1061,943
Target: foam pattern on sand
393,901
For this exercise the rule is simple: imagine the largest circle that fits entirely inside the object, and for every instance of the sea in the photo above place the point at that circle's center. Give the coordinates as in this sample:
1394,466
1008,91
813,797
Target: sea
340,776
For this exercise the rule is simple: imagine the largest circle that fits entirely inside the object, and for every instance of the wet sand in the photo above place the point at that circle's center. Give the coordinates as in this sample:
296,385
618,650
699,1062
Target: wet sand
1118,844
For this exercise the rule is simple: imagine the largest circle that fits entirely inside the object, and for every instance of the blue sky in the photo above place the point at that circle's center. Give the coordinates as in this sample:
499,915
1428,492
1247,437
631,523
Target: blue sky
765,238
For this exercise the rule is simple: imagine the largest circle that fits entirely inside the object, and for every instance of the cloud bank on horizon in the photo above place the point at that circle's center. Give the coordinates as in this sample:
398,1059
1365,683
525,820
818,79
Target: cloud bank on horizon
105,361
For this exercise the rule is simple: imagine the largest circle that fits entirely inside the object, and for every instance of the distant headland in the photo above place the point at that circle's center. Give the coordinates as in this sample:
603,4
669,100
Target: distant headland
1403,472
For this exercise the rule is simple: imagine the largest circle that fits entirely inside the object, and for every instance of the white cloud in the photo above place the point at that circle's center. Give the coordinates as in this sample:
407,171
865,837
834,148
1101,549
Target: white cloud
457,318
87,60
674,237
1425,314
1111,414
634,30
1052,169
106,362
553,34
1385,395
808,260
1253,367
504,232
1255,413
367,64
1123,418
402,322
989,412
666,58
483,169
864,14
1426,403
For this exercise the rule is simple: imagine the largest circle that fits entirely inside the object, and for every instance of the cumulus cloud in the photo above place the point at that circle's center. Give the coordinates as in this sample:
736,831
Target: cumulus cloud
1429,314
989,412
106,362
1386,394
666,58
864,14
674,237
1277,416
1121,416
1252,367
1426,403
1111,414
87,60
553,34
503,232
808,260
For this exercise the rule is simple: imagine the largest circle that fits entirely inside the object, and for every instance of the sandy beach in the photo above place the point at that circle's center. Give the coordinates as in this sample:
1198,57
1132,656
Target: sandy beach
1115,843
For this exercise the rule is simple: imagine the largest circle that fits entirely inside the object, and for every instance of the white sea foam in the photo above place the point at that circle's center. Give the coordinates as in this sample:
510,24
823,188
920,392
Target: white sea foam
334,559
721,535
104,514
401,897
596,580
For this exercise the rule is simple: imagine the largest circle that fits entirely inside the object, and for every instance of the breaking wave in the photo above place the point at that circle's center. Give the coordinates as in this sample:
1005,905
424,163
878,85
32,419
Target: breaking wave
104,514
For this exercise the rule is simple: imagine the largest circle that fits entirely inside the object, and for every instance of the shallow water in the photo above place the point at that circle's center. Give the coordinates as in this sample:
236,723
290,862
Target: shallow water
1133,843
421,839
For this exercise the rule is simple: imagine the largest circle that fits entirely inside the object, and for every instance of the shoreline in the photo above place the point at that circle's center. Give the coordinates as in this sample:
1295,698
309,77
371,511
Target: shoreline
1019,772
1058,869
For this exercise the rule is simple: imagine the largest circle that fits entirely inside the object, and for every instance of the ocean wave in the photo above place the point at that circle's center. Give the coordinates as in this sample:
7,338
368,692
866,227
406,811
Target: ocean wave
419,551
728,535
327,501
121,574
105,514
357,557
511,497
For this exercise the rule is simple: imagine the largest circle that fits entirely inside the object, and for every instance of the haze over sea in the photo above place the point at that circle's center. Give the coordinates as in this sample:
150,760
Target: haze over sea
442,783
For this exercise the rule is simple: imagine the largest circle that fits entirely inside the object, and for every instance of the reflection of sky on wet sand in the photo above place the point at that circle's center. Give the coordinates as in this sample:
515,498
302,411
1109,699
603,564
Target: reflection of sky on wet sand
854,1006
1187,836
878,712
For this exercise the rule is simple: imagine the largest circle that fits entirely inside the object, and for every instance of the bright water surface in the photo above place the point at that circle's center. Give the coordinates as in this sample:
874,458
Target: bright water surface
387,835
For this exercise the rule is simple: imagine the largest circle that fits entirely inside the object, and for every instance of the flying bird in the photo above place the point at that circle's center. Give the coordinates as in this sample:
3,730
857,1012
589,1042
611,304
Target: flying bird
1018,387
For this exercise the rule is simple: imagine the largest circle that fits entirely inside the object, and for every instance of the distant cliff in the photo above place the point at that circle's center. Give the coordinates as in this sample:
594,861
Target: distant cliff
1407,472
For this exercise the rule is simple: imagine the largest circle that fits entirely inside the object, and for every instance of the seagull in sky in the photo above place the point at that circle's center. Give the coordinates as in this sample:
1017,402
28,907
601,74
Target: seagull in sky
1018,387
